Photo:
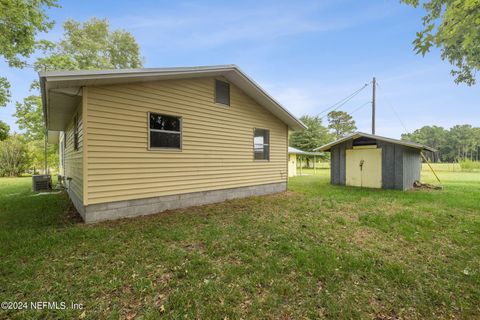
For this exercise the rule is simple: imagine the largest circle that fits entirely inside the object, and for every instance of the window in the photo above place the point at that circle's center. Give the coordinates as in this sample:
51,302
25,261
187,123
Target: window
165,131
222,92
261,140
75,132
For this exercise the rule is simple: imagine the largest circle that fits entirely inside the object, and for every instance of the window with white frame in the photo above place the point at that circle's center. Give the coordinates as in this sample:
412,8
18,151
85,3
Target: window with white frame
261,144
164,131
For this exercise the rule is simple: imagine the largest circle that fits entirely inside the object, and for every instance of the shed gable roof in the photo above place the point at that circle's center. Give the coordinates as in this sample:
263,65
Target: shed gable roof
62,89
356,135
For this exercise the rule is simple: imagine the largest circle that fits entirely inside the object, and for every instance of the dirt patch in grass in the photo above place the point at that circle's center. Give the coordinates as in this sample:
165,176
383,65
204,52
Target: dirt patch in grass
364,237
70,215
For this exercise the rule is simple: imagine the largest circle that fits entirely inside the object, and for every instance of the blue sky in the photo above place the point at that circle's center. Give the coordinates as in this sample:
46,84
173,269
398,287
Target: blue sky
306,54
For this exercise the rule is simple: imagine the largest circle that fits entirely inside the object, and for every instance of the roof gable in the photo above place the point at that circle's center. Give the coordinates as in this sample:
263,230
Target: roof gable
356,135
58,87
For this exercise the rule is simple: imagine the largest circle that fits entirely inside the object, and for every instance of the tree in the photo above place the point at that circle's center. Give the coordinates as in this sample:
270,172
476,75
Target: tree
36,151
20,22
452,26
477,143
458,143
14,158
432,136
87,46
341,123
29,116
90,46
314,136
4,130
4,91
462,139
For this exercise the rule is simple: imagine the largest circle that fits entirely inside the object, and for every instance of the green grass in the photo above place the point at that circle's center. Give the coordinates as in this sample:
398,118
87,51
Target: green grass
316,251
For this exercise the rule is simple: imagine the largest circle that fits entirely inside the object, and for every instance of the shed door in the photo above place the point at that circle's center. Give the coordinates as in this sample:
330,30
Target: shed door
364,167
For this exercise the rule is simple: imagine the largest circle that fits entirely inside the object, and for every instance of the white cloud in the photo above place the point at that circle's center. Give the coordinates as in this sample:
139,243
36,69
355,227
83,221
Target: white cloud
202,26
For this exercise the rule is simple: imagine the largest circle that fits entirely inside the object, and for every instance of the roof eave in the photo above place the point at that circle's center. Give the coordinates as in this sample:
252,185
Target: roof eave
299,123
87,75
327,147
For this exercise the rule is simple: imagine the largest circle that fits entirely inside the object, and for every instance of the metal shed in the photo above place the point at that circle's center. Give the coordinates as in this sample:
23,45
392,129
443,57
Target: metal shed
367,160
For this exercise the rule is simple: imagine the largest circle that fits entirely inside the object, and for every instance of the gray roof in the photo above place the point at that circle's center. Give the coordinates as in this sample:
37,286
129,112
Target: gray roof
356,135
292,150
60,87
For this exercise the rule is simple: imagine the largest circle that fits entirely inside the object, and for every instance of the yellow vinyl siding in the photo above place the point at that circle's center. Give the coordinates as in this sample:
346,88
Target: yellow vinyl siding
74,158
217,141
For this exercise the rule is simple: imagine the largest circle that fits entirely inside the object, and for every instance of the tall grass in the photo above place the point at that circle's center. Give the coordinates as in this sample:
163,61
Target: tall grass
451,167
469,165
465,165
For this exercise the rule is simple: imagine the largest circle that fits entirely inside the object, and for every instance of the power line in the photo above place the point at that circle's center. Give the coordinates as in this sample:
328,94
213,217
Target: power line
360,107
343,101
354,110
395,112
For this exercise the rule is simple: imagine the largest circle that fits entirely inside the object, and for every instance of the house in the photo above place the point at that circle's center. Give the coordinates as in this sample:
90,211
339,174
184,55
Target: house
296,155
372,161
141,141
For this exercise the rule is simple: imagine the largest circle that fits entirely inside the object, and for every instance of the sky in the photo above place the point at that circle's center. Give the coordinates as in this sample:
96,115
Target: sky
307,54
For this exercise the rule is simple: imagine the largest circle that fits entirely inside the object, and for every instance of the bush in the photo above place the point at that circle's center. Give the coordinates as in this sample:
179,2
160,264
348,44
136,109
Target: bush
36,150
469,164
14,159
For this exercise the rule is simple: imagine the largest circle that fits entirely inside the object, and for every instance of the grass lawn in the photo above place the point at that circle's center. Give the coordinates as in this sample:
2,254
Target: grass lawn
316,251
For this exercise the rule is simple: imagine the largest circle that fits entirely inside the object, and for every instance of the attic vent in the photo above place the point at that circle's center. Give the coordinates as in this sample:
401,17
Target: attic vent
222,92
364,141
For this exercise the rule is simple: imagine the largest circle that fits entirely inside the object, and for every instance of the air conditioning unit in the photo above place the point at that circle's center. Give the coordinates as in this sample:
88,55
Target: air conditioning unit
41,182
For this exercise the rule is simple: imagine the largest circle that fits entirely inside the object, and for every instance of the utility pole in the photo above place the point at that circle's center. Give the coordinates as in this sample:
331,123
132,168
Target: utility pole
373,105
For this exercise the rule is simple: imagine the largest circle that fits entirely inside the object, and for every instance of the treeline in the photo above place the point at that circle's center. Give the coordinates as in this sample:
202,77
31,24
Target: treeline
459,143
19,155
339,124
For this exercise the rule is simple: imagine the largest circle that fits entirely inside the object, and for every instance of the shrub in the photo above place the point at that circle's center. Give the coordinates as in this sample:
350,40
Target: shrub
14,159
469,164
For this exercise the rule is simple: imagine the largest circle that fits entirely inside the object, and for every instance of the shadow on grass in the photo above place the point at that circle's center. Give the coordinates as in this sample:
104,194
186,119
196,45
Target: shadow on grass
21,208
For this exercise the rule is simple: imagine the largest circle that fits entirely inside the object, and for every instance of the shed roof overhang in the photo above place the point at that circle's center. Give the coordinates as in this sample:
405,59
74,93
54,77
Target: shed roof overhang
357,135
292,150
62,90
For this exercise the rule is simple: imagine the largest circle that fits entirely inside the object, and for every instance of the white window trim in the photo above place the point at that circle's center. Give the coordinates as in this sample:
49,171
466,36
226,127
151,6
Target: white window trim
265,144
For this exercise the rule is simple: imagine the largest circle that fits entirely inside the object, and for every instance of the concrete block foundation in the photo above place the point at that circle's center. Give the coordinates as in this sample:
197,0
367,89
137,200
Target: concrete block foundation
139,207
